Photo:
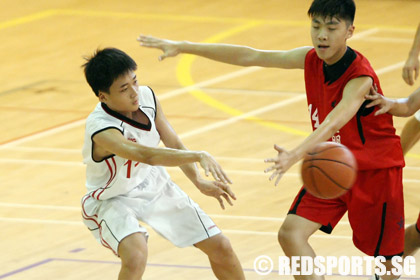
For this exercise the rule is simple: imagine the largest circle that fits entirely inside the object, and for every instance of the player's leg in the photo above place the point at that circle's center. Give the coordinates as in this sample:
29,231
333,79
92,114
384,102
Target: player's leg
223,260
306,215
176,217
114,225
133,253
376,215
412,238
411,245
293,237
410,133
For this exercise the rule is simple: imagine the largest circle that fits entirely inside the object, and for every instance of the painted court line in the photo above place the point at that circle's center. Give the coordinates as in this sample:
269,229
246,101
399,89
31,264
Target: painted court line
39,221
25,268
77,209
229,171
228,231
243,116
390,68
215,80
164,96
250,92
78,152
168,95
45,133
388,40
364,34
177,266
170,17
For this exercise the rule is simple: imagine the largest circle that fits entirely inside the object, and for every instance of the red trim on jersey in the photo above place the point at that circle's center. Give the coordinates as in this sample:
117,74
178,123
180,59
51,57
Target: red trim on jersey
83,208
93,219
112,172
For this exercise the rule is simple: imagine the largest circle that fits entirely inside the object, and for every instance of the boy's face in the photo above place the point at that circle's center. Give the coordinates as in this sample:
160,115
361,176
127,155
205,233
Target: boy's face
122,96
329,36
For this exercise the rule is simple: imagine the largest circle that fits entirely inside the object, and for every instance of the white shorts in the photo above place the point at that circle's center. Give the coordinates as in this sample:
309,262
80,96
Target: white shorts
157,202
417,115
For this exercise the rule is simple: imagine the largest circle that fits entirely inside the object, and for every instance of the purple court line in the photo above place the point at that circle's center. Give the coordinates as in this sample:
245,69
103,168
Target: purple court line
25,268
77,250
151,264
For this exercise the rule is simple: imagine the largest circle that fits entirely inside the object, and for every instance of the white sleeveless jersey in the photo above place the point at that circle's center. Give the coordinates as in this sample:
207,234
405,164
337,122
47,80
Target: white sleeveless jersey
417,115
114,175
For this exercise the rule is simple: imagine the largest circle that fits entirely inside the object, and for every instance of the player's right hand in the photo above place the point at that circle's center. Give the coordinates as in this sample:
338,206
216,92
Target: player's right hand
217,190
168,47
210,165
410,71
281,163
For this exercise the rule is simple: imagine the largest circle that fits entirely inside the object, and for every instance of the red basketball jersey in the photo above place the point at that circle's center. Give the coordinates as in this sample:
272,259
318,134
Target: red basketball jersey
371,138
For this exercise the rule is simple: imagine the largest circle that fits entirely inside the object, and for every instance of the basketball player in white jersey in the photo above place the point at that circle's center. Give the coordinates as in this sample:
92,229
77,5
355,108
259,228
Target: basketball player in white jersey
126,182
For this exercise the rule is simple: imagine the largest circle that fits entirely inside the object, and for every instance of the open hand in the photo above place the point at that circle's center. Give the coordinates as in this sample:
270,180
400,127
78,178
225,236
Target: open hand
210,165
282,163
169,48
217,190
410,71
379,100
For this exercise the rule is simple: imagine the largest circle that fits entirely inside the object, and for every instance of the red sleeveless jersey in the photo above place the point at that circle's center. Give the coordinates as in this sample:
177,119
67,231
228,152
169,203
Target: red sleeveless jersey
371,138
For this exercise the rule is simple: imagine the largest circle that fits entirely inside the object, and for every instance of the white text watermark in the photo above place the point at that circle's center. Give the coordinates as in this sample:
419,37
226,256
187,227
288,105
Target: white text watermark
343,265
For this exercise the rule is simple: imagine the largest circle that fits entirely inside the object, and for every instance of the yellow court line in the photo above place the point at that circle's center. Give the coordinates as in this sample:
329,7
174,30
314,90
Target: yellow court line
296,23
28,18
410,155
183,69
165,17
172,17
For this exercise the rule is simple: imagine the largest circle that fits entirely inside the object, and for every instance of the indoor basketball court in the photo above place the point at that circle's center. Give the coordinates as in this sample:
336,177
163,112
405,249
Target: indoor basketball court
237,114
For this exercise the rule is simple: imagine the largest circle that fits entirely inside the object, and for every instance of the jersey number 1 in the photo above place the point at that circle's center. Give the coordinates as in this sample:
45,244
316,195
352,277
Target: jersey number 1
129,163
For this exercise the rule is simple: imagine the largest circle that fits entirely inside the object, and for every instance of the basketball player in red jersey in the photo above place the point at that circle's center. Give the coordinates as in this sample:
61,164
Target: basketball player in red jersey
337,79
410,134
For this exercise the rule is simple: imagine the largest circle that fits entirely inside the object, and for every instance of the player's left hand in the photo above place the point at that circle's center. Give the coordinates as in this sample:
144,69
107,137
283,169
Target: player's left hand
217,190
379,100
282,163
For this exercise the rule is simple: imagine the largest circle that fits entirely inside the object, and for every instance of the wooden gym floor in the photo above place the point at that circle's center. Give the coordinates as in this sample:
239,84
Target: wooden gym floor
237,114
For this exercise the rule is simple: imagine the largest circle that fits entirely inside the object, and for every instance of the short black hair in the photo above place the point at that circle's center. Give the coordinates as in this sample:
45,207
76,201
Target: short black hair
105,66
342,9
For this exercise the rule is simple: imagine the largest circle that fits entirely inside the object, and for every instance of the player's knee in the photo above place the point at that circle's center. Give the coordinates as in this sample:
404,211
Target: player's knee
412,235
283,235
135,262
224,246
288,235
222,251
416,235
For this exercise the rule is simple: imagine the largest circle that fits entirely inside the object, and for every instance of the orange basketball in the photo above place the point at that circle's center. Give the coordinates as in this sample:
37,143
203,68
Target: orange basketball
329,170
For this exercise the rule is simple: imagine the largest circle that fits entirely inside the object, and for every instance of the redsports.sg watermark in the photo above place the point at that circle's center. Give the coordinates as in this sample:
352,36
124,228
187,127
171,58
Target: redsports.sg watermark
343,265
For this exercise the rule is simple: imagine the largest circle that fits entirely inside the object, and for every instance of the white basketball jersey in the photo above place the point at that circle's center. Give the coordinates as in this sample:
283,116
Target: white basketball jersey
114,175
417,115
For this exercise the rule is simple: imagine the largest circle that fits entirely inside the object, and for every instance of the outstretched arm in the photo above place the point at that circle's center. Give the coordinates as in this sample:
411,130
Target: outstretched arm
232,54
353,97
111,141
401,107
218,189
411,68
